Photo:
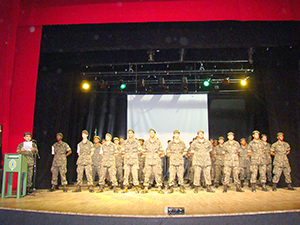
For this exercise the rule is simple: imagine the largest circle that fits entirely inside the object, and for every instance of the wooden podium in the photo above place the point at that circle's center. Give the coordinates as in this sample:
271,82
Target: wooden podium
14,163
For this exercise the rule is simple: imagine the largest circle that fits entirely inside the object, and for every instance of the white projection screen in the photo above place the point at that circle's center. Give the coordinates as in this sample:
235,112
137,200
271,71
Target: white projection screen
187,113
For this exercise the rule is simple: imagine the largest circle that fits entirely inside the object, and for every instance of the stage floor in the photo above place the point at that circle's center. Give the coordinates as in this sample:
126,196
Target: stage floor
154,204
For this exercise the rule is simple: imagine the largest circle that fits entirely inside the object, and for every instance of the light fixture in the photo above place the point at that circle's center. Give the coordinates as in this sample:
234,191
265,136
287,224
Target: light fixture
184,81
122,85
161,82
85,85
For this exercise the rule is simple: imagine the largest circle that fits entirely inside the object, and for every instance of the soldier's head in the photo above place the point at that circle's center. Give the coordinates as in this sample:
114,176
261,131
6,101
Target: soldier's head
59,136
230,136
280,136
264,137
103,141
130,133
27,136
256,134
84,134
152,133
122,139
176,134
243,141
215,143
200,134
96,139
116,140
107,137
221,140
141,141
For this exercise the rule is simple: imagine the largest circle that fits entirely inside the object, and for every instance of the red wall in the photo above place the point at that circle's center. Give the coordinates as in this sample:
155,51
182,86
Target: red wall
20,45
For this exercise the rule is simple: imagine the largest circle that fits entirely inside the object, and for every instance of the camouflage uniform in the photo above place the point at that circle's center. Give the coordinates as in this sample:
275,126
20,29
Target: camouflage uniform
108,163
59,163
131,149
213,160
141,168
219,163
84,162
190,166
231,161
257,150
96,159
152,149
281,162
201,160
119,162
244,163
30,161
176,150
268,162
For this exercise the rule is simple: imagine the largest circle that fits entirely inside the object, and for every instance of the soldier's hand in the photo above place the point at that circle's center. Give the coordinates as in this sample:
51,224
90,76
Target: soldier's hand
22,149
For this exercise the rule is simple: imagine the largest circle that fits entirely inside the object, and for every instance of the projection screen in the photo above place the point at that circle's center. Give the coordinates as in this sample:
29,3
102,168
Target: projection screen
187,113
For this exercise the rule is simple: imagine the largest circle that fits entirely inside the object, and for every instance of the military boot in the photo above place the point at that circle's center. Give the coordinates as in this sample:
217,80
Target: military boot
115,189
136,189
253,188
225,189
196,189
217,185
290,187
52,188
181,189
160,191
264,188
100,189
238,188
145,190
65,188
171,190
91,190
208,189
125,189
78,189
274,188
242,183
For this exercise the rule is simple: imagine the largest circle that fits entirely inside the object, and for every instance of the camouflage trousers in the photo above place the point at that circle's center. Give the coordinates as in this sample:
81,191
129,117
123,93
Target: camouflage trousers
212,170
29,175
227,172
269,172
88,174
156,170
141,174
112,175
219,172
96,170
206,173
59,169
131,169
190,174
286,172
119,173
245,173
262,173
176,170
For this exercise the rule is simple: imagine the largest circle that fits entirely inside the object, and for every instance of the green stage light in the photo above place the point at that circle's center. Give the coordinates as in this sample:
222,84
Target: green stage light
206,83
122,85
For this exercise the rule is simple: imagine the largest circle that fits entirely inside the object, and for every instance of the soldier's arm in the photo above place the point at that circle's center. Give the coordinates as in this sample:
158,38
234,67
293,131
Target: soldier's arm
69,151
249,153
20,149
272,151
78,149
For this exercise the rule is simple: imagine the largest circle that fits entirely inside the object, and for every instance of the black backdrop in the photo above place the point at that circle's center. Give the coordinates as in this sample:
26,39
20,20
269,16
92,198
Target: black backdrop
270,105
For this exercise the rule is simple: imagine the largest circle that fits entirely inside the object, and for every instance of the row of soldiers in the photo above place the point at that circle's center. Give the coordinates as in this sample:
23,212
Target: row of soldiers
228,157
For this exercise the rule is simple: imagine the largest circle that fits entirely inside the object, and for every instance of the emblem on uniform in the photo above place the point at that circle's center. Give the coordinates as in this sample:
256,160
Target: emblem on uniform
12,164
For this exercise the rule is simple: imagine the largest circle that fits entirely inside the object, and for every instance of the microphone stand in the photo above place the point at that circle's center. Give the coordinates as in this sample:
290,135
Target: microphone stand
36,155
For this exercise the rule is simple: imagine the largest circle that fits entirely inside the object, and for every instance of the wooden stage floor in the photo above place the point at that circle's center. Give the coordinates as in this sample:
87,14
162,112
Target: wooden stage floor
154,204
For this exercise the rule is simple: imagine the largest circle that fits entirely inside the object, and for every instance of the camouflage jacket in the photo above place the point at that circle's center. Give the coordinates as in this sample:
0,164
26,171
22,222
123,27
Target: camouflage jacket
244,158
96,158
201,151
268,158
152,149
28,154
108,151
231,150
257,149
59,151
119,161
176,149
280,150
85,150
218,151
131,148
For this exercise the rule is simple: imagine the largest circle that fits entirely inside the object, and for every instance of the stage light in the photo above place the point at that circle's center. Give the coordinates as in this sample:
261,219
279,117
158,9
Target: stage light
243,82
85,85
184,81
122,85
206,83
161,82
226,81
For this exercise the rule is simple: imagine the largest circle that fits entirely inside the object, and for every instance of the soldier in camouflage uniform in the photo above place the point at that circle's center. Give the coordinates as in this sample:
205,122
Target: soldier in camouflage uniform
231,150
190,168
213,160
176,150
141,164
29,154
280,150
244,163
153,149
268,158
96,159
108,152
85,150
256,150
200,150
219,162
60,150
119,161
131,150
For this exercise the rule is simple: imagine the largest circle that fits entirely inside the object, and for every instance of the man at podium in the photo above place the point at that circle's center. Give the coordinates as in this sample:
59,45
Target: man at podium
28,148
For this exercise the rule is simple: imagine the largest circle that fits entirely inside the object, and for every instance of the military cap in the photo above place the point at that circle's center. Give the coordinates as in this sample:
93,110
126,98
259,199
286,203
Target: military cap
221,138
27,133
200,131
108,134
176,132
141,139
85,132
60,134
264,135
280,133
121,137
230,133
243,139
255,132
152,130
130,130
97,137
116,138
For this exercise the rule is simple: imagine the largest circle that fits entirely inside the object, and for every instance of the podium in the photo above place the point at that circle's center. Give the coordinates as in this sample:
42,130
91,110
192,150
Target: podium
14,163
